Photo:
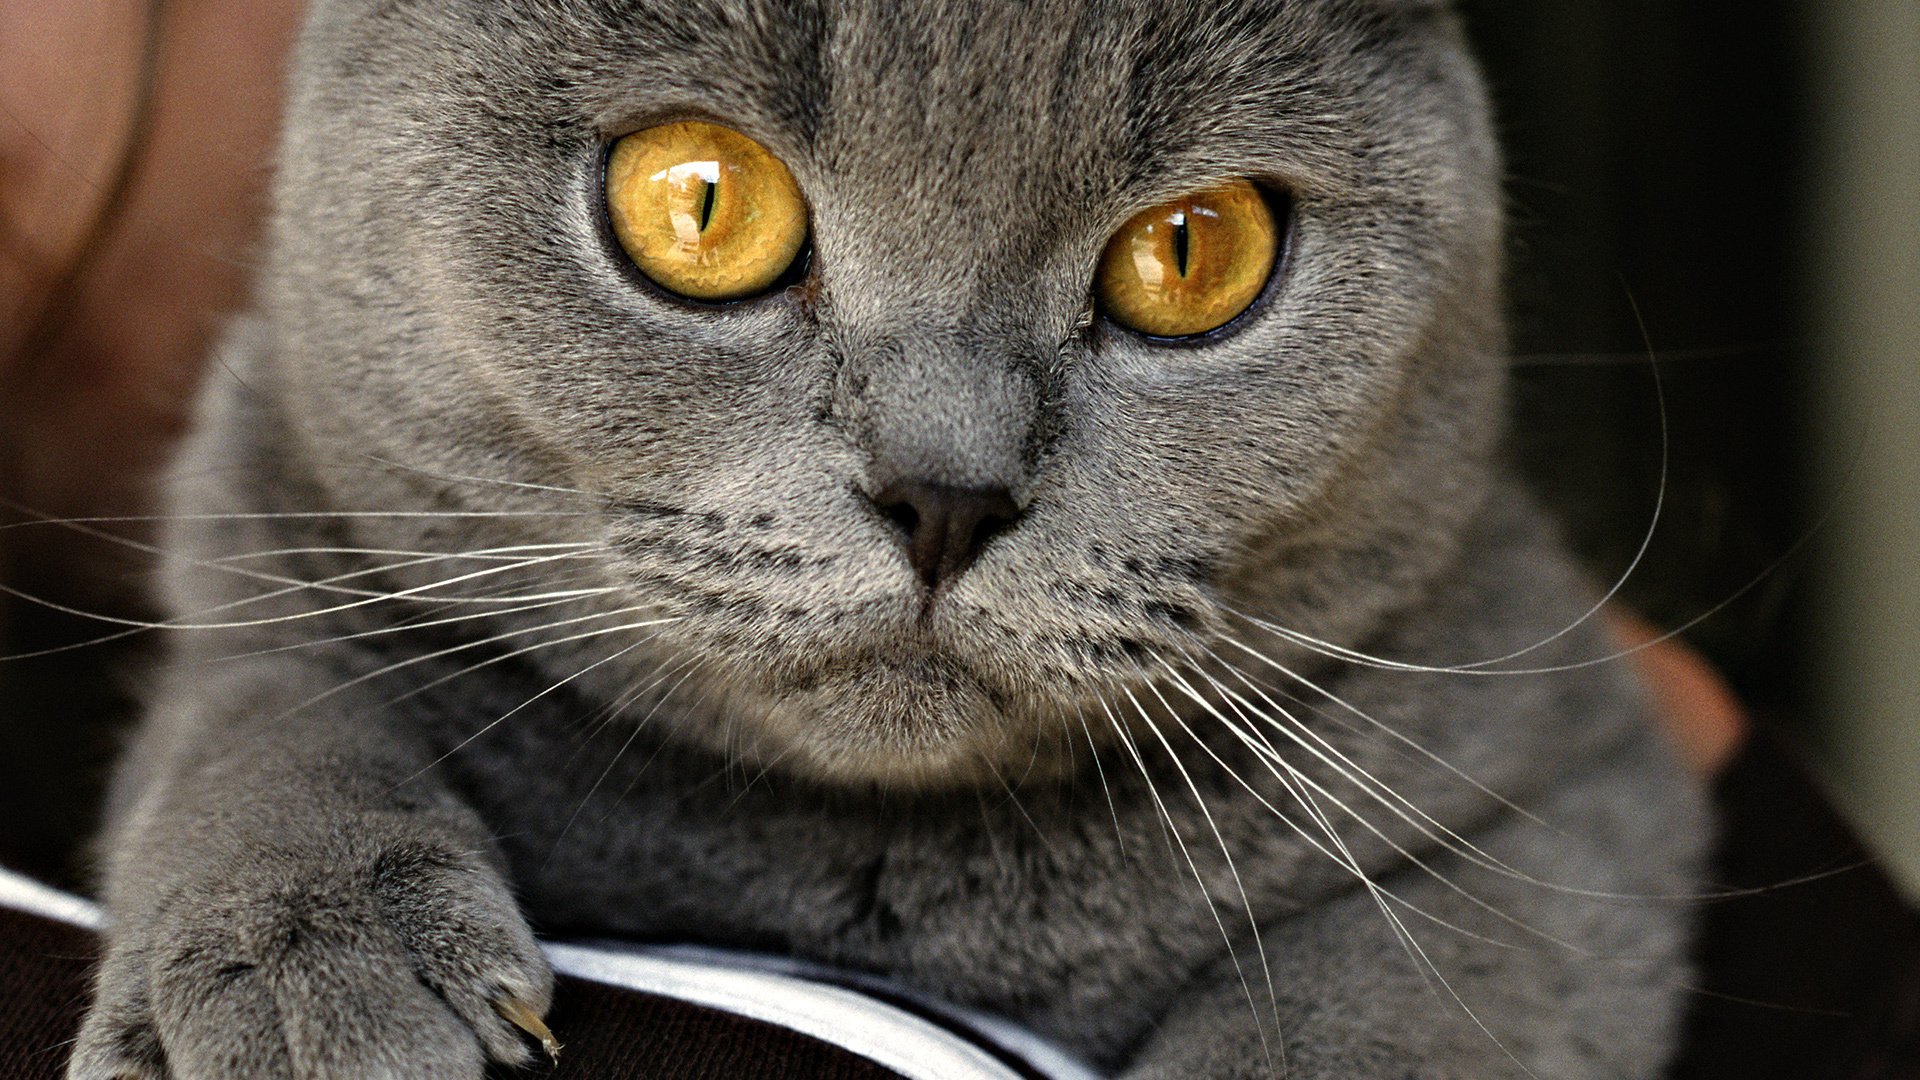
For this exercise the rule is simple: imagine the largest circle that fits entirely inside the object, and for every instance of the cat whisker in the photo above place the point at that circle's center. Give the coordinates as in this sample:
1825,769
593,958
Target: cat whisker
1013,799
604,718
1636,357
1491,664
399,627
1494,865
1292,780
1303,735
1004,864
510,713
1423,962
1165,822
424,593
289,586
1246,903
1383,899
1422,822
506,553
1206,895
768,766
390,466
38,520
1265,749
1296,782
691,666
1387,730
1362,659
538,645
1310,792
1269,755
1487,668
481,643
633,735
1106,789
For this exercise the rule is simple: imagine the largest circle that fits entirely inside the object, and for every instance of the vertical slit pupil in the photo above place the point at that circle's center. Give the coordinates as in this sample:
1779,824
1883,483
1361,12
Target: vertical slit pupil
1180,243
706,204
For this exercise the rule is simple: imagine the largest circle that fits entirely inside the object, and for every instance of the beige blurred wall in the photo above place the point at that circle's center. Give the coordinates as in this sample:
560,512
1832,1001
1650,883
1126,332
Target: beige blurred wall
1865,242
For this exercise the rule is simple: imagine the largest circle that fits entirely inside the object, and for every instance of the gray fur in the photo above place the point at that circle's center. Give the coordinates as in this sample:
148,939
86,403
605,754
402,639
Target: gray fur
315,834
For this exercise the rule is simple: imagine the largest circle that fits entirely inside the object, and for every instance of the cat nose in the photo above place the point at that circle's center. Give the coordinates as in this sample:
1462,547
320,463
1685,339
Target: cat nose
946,526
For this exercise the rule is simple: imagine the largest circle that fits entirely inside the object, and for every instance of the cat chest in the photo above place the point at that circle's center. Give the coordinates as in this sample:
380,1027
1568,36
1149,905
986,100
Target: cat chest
1070,925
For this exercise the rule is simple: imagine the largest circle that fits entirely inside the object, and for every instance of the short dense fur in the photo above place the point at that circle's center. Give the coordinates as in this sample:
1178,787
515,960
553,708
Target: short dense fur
543,584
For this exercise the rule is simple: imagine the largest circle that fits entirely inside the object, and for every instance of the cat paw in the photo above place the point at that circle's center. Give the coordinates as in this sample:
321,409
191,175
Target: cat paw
410,964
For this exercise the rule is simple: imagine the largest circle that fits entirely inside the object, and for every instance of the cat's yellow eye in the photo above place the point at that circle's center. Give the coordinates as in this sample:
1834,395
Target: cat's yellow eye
703,210
1189,266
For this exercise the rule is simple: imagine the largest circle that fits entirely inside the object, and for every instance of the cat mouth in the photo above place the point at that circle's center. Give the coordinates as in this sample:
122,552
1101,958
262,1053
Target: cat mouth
915,664
906,710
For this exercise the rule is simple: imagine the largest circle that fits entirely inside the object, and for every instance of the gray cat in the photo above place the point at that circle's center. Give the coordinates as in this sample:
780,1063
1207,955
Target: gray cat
1000,494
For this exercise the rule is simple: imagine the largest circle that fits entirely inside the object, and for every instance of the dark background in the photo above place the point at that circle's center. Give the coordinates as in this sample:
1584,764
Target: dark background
1656,159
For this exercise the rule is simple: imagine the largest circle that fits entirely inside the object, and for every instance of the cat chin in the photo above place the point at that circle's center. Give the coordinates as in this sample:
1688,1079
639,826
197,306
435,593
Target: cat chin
922,725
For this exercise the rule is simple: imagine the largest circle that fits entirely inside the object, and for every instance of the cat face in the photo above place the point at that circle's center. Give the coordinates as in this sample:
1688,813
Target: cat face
446,291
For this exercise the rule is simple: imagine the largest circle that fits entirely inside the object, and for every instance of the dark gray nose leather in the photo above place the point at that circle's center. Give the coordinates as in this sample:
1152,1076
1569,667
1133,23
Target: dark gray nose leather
945,526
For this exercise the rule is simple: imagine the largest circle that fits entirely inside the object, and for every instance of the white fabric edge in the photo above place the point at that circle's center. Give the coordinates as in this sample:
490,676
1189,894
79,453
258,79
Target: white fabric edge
25,894
874,1030
1043,1056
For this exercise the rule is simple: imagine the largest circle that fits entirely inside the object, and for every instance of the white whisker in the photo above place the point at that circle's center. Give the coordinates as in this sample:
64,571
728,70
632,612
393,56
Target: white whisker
638,727
479,643
1106,789
287,515
1383,728
400,627
503,717
1298,783
290,586
1303,736
1206,896
1619,583
1246,903
501,553
525,649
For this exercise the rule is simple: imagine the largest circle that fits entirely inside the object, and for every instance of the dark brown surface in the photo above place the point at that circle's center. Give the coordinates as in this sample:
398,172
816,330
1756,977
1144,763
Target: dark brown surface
43,987
1817,980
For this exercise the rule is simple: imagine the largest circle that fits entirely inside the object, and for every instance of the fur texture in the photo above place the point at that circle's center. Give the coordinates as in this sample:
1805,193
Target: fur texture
525,572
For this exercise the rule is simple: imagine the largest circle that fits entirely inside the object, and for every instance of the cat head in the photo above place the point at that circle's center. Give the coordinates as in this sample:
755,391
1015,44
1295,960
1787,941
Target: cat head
924,500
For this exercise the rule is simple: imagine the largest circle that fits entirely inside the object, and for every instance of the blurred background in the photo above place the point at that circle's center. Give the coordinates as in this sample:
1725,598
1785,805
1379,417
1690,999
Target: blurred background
1725,192
1731,189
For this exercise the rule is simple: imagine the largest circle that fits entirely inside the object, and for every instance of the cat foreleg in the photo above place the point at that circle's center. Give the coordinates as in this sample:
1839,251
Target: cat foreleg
292,893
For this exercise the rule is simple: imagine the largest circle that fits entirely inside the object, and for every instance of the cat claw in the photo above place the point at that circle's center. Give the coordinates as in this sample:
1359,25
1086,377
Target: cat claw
517,1013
